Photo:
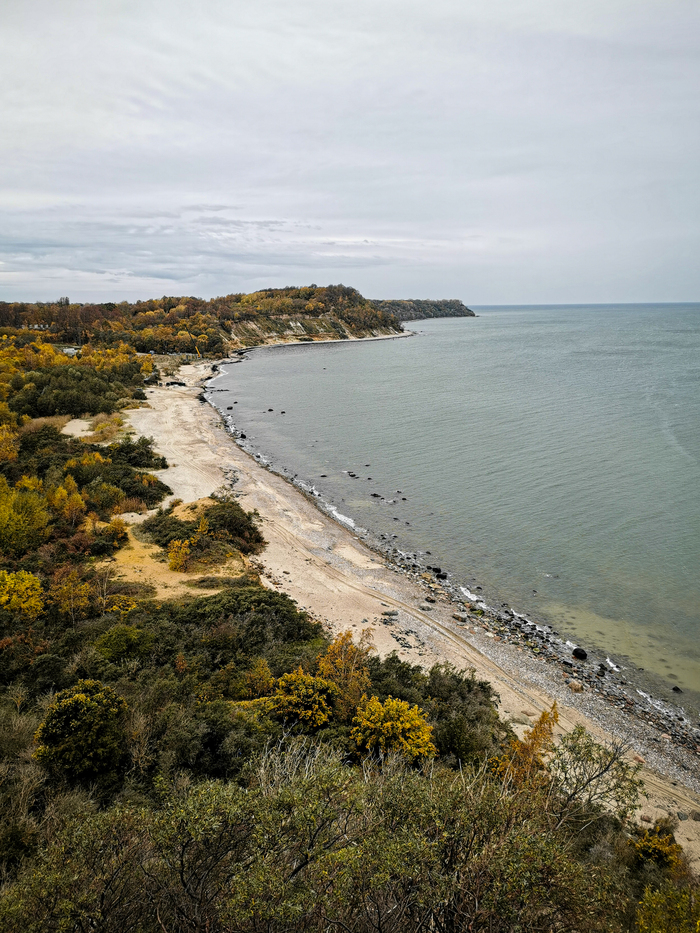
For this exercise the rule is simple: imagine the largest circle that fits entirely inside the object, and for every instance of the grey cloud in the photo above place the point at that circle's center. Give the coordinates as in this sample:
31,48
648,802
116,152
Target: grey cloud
496,152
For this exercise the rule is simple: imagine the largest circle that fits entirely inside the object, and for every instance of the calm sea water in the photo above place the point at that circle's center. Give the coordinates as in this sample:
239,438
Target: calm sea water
550,455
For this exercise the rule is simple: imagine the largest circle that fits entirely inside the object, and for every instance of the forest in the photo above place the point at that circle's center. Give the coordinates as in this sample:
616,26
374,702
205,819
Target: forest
195,326
215,760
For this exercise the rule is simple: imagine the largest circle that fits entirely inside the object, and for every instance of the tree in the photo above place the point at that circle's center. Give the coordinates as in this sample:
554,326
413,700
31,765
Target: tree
9,444
392,726
590,778
70,595
21,594
345,665
524,764
304,699
83,736
259,680
23,519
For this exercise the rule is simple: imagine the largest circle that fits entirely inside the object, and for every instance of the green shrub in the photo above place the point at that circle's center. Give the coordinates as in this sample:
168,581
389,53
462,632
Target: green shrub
123,642
83,736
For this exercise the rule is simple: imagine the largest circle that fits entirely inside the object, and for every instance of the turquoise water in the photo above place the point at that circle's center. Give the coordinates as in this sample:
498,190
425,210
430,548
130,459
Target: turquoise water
549,455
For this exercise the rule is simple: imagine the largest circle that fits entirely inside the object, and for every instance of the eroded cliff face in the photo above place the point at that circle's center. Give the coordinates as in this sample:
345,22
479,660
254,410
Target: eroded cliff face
292,328
415,309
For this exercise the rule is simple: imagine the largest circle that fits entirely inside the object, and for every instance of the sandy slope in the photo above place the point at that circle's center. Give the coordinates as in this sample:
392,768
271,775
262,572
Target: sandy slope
342,583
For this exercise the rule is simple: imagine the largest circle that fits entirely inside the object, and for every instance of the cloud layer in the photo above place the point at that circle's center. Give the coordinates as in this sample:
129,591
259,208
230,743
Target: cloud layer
540,151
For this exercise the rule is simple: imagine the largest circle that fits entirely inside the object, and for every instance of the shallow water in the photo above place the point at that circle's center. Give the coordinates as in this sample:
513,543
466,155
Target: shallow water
549,455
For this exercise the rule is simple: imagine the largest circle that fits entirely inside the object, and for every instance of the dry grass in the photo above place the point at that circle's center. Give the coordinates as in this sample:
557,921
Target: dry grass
36,424
131,504
105,428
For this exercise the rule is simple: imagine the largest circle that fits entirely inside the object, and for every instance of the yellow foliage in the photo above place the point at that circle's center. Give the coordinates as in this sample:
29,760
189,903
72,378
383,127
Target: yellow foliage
70,485
30,482
70,595
73,507
178,554
524,763
21,594
117,531
89,458
653,847
305,699
57,498
23,519
259,679
121,604
345,664
392,726
9,443
668,910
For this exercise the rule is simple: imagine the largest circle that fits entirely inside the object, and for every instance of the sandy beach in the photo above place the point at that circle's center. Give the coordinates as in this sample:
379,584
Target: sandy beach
344,584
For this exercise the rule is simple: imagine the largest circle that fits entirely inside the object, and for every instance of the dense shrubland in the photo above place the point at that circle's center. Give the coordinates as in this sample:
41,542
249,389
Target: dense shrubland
218,763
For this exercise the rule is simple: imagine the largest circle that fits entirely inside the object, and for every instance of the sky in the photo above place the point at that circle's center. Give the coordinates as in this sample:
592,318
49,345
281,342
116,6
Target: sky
496,151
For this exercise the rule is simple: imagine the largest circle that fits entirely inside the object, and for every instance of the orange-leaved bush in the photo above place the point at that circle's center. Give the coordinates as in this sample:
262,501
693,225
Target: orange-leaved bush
524,763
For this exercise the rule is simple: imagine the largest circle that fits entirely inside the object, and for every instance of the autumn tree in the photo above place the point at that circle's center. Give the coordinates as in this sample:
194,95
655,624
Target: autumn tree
259,680
345,665
9,443
70,594
394,725
303,699
23,519
524,763
21,594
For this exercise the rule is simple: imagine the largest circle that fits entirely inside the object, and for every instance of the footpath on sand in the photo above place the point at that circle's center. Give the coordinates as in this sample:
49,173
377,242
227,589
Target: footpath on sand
347,586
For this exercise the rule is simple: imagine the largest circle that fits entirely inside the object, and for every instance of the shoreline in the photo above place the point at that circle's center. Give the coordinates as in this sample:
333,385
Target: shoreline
613,674
336,575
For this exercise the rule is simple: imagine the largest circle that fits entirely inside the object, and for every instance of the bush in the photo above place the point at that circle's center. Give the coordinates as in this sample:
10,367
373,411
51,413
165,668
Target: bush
392,726
21,594
164,527
24,518
123,642
229,520
304,700
83,736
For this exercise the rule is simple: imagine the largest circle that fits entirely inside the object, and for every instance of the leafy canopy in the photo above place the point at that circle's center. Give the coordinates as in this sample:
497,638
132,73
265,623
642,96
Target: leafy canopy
392,726
83,735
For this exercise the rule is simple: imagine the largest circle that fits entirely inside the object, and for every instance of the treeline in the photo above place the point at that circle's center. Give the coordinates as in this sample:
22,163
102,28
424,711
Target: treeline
414,309
187,324
216,762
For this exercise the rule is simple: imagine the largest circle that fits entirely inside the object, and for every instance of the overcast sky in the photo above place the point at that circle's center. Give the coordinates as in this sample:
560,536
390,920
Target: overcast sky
497,151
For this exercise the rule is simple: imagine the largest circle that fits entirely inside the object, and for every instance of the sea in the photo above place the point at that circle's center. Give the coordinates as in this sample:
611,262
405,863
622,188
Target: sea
547,458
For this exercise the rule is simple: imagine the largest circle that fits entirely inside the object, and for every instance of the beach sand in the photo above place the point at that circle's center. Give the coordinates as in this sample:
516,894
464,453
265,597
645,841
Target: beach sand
342,583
